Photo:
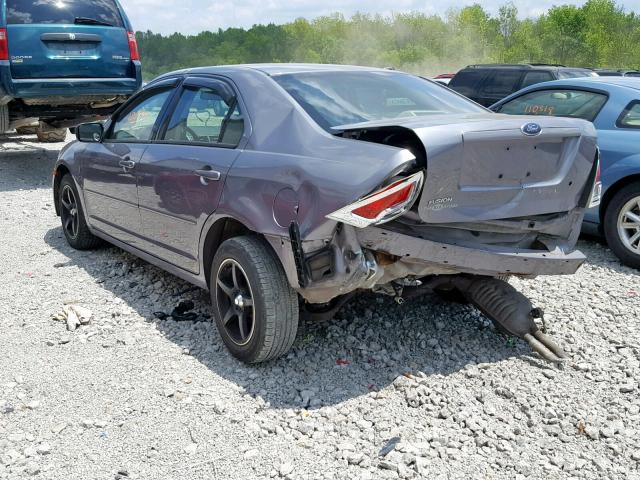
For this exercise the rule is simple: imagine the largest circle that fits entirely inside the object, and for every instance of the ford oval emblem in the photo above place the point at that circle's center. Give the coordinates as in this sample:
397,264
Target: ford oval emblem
531,129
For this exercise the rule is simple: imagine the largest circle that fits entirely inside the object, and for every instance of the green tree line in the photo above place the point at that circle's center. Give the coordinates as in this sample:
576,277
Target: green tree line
599,33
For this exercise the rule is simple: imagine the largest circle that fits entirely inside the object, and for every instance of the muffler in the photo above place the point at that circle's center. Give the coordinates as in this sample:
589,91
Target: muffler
511,312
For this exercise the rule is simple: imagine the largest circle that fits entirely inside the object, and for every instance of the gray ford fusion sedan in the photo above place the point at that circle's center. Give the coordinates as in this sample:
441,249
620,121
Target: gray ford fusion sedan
284,189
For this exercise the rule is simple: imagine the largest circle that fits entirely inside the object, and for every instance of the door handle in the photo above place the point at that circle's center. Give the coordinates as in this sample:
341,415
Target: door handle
127,163
208,174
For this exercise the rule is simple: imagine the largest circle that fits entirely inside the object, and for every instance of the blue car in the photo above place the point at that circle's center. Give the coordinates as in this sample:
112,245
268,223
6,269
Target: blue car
64,62
613,105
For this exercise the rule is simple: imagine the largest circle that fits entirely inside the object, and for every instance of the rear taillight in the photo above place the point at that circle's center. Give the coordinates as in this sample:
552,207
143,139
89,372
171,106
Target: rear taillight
596,191
133,46
4,45
382,206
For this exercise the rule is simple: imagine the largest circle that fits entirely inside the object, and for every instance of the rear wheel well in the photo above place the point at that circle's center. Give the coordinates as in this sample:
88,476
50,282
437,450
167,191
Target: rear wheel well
220,231
613,189
60,172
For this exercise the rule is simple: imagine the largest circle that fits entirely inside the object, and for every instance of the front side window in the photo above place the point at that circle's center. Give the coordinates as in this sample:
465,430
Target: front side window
99,12
630,117
136,123
557,103
204,116
345,97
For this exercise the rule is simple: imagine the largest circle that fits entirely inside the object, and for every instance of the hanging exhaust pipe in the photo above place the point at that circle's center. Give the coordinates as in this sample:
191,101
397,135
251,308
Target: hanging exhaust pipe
511,312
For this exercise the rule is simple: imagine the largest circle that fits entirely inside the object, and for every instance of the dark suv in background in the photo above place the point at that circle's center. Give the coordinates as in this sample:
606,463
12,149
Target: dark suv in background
487,84
64,62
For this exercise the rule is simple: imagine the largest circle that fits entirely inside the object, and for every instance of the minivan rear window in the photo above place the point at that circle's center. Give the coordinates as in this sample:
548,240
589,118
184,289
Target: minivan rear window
64,11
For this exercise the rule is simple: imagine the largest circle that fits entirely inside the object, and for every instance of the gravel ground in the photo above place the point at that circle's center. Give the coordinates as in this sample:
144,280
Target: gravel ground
423,390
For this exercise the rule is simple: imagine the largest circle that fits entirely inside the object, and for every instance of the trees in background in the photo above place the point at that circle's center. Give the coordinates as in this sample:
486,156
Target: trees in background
598,34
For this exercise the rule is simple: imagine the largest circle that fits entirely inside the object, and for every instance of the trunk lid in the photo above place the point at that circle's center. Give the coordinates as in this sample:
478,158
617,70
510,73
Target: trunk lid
484,167
48,40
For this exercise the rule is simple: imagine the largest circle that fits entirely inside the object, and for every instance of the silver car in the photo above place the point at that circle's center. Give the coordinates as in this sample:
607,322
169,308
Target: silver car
285,189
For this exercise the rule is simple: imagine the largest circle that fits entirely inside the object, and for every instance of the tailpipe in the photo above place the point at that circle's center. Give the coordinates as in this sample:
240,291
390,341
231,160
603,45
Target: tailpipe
512,313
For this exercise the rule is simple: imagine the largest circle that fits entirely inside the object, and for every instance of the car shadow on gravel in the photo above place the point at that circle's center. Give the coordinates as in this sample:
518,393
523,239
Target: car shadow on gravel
25,164
369,343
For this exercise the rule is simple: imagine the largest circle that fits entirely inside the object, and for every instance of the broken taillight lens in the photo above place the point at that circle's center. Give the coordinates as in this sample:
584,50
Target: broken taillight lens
382,206
596,191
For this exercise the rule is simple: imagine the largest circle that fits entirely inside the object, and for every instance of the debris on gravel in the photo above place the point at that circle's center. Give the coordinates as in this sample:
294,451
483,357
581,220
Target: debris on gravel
74,316
428,389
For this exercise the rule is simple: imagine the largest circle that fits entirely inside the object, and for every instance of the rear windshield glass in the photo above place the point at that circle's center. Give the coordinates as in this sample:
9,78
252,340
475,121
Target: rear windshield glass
557,103
342,98
63,11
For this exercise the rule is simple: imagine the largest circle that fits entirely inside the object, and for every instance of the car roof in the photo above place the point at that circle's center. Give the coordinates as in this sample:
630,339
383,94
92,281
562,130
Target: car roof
594,82
281,68
523,66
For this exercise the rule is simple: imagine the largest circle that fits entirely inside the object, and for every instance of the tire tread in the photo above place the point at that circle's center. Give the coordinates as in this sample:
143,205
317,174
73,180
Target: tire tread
610,224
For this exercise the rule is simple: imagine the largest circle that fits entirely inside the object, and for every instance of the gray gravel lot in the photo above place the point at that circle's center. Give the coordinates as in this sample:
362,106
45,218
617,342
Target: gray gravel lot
423,390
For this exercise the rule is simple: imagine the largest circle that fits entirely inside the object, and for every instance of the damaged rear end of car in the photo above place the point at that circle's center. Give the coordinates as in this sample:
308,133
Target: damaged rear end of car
486,197
482,198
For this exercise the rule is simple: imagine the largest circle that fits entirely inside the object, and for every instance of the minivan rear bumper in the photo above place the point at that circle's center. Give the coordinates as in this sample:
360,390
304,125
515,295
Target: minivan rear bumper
50,87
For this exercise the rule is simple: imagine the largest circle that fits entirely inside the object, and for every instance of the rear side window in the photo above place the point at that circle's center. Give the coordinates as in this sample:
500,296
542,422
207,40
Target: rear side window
502,83
557,103
204,116
63,11
630,117
465,82
531,78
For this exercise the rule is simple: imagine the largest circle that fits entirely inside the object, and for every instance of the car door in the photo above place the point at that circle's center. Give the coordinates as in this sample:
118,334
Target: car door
619,142
109,168
182,173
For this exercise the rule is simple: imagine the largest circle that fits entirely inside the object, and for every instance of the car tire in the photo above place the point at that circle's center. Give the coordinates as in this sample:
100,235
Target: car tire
48,134
27,130
4,118
255,309
74,225
618,238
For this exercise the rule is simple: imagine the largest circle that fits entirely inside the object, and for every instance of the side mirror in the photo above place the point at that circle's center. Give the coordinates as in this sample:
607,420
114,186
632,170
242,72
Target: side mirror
90,132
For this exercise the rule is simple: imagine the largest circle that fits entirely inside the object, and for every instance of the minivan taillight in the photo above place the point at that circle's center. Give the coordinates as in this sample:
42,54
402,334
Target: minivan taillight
134,54
382,206
4,45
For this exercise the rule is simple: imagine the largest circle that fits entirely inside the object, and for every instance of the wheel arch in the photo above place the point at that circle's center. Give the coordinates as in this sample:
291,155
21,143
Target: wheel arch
615,188
60,171
222,229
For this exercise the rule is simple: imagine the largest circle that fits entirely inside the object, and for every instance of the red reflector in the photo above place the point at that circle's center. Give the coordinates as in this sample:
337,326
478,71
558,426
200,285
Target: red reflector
376,207
133,46
4,45
598,173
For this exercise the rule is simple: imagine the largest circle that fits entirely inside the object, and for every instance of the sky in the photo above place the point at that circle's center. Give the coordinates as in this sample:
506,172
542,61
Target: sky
193,16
